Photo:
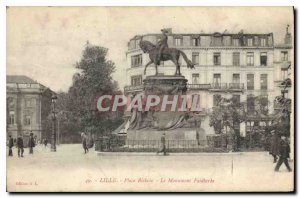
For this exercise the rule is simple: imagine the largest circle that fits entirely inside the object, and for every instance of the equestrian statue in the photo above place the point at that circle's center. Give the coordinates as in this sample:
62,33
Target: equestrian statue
161,52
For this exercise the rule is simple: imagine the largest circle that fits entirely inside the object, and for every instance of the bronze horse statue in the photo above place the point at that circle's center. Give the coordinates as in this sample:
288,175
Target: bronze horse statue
171,54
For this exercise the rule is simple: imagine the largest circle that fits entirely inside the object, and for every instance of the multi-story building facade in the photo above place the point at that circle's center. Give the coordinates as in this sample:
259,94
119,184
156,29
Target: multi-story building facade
226,65
28,105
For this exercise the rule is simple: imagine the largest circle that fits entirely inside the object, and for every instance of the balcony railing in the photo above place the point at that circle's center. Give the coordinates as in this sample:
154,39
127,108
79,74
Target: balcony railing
236,86
199,86
221,86
133,88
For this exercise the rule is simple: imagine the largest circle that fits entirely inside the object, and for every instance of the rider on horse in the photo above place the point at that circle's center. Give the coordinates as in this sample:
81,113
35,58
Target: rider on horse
161,45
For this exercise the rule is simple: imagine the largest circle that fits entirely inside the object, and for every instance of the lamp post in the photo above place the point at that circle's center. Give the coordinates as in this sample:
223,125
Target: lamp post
53,136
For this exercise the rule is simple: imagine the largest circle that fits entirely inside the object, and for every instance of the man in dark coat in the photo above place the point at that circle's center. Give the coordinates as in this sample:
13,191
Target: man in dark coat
20,146
31,143
163,142
274,148
284,154
10,145
84,143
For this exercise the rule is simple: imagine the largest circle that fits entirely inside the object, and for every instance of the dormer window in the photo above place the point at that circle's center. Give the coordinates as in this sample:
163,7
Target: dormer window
250,41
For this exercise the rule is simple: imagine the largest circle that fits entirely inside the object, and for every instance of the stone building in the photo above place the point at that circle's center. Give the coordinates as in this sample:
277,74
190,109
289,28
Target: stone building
239,65
28,106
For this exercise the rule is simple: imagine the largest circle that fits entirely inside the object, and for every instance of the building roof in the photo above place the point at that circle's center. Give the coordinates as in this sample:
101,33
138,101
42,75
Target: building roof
20,79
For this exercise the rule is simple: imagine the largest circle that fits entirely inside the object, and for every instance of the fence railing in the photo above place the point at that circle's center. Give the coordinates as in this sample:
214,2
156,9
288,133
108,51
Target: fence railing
124,145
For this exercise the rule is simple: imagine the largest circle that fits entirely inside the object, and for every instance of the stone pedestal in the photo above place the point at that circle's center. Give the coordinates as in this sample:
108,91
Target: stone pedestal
165,85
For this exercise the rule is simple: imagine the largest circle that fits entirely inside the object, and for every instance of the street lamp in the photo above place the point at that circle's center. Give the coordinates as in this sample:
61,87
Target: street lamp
53,136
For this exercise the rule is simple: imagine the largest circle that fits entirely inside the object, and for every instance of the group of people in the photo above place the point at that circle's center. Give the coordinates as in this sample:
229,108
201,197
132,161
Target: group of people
20,145
280,150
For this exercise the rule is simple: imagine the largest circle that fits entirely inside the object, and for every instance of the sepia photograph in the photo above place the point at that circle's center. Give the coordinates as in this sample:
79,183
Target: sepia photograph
150,99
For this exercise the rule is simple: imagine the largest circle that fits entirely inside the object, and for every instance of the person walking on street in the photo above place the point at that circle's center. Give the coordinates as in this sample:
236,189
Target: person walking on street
284,154
163,142
10,145
274,148
31,143
45,142
84,143
20,146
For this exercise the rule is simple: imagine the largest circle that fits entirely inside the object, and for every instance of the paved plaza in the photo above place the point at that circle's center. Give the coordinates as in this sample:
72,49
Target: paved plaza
69,169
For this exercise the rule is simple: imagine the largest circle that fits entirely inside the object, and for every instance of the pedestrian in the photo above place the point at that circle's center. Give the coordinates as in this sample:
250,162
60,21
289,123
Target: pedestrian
84,143
163,142
45,142
284,154
10,145
274,148
31,143
198,137
20,146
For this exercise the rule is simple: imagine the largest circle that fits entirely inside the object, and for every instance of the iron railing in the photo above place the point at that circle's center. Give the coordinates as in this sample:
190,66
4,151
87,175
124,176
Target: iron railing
221,86
238,86
199,86
119,145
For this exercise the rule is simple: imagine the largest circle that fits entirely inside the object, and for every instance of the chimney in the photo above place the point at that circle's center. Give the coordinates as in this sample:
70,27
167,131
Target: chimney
288,36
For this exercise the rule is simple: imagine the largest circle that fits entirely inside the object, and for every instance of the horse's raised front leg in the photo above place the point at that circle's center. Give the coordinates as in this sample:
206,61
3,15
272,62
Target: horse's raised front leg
150,62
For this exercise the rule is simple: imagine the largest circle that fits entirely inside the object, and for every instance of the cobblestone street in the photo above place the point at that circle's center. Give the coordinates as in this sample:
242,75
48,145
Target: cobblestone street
69,169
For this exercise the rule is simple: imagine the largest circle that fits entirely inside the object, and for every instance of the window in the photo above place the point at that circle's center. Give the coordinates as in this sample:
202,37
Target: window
195,78
263,42
256,40
284,74
250,104
236,58
264,81
217,58
195,41
263,59
284,56
195,58
217,41
11,117
217,81
263,104
136,60
236,42
250,42
28,103
285,93
136,80
250,81
235,81
236,78
250,58
27,120
216,99
178,41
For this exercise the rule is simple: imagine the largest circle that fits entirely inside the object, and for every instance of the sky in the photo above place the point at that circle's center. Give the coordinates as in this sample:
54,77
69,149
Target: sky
44,43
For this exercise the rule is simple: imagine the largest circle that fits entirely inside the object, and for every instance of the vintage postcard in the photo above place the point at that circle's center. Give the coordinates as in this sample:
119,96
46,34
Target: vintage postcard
150,99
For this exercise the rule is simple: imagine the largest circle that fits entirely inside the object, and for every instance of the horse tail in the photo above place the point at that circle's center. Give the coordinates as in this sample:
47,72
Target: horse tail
188,62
